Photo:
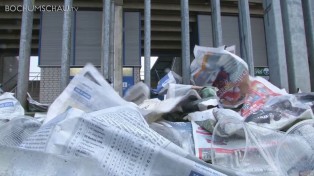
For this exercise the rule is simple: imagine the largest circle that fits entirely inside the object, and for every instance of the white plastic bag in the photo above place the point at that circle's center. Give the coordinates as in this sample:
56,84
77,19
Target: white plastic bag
10,107
224,70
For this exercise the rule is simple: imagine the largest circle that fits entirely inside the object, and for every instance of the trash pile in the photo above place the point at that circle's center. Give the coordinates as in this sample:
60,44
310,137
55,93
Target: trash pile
225,123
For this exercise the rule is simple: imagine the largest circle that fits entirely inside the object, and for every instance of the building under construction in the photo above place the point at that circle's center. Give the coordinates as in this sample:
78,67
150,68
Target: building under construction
275,38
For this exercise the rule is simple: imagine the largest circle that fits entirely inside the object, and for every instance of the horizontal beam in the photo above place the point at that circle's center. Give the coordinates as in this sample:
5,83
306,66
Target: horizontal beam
15,37
192,8
12,15
163,52
154,46
164,28
153,38
176,18
16,46
18,27
165,46
250,1
15,52
164,38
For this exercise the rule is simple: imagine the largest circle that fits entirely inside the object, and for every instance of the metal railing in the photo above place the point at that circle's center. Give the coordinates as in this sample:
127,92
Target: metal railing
14,77
33,76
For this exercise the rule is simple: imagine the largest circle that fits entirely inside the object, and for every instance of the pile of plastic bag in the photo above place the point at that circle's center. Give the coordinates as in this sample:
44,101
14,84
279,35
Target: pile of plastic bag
225,123
254,127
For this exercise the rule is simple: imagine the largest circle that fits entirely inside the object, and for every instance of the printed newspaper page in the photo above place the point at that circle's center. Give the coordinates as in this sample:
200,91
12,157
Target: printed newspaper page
119,138
87,91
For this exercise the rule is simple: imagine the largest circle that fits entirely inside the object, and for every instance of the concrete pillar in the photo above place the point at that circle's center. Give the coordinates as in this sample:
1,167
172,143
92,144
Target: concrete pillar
25,52
216,21
275,43
111,42
308,7
1,70
245,34
295,43
185,41
105,40
118,48
66,45
147,42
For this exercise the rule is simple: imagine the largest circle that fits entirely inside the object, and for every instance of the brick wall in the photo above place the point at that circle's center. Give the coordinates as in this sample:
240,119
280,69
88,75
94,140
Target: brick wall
137,77
49,84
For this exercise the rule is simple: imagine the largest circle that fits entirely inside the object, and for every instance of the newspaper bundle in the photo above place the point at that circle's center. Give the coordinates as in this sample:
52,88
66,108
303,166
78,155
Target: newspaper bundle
222,69
119,139
89,121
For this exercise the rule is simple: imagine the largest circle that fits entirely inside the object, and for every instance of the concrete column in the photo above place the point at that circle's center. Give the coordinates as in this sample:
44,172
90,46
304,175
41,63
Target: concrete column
1,70
147,42
111,42
216,21
245,34
295,43
105,40
308,7
66,45
25,52
118,48
185,37
275,43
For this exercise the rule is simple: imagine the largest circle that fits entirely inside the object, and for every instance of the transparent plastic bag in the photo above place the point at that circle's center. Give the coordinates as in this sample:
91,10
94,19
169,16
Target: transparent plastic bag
180,133
13,132
244,147
295,155
137,93
280,112
16,162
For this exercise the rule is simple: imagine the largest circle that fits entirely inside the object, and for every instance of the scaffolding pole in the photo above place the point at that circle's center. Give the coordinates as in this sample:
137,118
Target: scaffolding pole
111,42
216,21
105,38
147,42
245,34
185,37
66,45
25,52
118,48
309,30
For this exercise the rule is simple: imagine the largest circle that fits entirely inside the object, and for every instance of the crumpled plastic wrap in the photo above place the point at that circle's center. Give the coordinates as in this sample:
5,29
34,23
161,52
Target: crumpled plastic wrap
280,112
15,131
222,69
10,107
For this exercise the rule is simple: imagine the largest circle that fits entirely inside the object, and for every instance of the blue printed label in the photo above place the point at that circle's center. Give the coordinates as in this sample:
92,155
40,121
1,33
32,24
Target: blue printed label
82,93
6,104
193,173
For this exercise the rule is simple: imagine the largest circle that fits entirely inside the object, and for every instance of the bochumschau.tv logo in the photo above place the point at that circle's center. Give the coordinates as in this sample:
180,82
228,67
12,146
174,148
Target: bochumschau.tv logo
41,8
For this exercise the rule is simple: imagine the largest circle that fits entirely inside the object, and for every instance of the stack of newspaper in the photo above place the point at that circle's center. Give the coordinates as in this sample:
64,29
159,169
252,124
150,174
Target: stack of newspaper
90,121
226,123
